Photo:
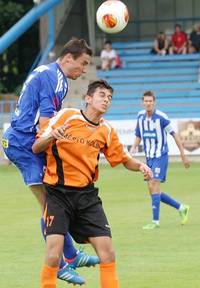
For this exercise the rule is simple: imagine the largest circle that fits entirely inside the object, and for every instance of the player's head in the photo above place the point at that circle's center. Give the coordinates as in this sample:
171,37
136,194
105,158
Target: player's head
99,96
74,58
149,101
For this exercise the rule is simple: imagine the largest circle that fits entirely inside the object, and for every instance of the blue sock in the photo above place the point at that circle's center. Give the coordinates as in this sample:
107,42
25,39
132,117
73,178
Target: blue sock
69,249
155,206
43,226
169,201
62,263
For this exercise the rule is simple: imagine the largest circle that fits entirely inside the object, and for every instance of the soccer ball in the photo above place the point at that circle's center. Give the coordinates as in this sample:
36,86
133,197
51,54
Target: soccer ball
112,16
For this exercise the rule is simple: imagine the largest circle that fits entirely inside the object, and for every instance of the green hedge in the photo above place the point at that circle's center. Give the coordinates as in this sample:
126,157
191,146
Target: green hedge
17,59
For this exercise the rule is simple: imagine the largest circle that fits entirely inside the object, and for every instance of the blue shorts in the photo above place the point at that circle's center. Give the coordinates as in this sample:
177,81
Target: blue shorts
30,165
159,167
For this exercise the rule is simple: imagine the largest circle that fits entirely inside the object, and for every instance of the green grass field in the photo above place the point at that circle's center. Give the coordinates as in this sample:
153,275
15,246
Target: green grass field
168,257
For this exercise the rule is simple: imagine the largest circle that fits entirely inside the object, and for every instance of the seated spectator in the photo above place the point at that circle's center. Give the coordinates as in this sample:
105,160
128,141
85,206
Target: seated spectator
109,57
194,41
161,44
179,41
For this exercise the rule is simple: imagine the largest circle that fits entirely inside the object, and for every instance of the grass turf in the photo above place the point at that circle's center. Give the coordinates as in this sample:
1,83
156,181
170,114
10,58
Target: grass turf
165,257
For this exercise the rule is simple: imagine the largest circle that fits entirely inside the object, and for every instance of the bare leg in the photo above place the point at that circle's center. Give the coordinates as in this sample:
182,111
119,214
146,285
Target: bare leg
154,186
171,50
191,50
54,248
104,249
105,64
40,193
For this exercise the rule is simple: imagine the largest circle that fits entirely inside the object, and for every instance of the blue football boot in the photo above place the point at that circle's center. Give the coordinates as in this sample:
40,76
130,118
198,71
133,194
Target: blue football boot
70,276
83,260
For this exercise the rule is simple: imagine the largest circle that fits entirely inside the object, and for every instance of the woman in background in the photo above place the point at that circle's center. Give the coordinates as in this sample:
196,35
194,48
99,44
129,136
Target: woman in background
161,44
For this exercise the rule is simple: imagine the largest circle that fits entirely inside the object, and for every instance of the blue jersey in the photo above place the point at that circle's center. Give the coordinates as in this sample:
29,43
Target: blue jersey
42,95
153,131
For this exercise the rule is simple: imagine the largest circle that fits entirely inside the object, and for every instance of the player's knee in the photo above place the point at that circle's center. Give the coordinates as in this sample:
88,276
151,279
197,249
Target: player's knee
107,256
53,259
154,186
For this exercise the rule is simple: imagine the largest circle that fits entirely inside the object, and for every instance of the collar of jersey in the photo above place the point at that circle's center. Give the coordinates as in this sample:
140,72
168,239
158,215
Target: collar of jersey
95,124
151,115
61,70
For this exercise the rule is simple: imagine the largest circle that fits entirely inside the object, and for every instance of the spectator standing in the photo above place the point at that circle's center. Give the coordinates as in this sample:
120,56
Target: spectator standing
179,41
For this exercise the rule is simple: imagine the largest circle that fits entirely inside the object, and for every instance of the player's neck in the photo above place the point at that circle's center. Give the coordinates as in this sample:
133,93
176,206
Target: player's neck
149,113
92,116
62,67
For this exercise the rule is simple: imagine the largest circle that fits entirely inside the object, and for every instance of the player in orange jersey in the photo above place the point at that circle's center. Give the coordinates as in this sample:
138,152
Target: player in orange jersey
73,140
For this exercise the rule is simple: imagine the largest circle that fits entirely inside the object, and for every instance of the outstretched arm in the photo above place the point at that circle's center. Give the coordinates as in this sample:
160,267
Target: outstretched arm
185,160
136,165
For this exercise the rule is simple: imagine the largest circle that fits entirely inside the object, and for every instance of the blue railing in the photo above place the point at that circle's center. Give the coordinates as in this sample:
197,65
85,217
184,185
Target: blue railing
27,21
7,106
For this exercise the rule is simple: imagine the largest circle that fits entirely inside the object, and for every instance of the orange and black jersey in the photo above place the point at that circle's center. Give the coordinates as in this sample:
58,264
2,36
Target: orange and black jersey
74,160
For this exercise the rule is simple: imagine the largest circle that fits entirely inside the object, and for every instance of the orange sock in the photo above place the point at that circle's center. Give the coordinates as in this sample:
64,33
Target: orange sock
108,276
48,277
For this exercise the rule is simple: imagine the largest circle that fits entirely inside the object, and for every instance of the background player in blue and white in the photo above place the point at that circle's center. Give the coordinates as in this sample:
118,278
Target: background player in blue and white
152,127
41,98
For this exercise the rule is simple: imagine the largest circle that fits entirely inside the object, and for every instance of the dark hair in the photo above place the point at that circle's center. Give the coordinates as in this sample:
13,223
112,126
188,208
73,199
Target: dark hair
76,47
161,34
178,25
149,93
108,42
98,84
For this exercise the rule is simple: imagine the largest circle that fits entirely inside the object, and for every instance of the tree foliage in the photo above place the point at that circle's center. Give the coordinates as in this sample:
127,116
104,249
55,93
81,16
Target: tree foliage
17,59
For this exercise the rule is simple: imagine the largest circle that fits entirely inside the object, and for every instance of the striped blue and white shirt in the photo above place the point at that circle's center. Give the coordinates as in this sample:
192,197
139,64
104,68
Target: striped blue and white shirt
153,131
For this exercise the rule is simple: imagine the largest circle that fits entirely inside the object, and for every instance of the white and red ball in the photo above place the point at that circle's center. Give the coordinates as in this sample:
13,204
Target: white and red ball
112,16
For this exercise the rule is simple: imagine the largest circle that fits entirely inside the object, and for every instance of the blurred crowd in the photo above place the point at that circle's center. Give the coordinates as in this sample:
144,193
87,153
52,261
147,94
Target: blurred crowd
180,42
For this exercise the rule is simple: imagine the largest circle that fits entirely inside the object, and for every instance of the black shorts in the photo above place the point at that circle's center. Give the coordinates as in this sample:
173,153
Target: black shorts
78,211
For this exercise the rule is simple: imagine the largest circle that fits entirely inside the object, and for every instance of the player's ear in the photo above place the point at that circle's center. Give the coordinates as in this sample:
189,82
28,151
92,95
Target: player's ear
88,99
67,58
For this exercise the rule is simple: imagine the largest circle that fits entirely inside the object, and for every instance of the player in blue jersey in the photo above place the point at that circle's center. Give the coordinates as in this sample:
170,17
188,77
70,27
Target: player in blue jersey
41,98
152,128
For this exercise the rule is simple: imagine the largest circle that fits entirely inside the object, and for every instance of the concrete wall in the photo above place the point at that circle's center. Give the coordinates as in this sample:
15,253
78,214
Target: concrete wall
162,13
76,24
157,10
